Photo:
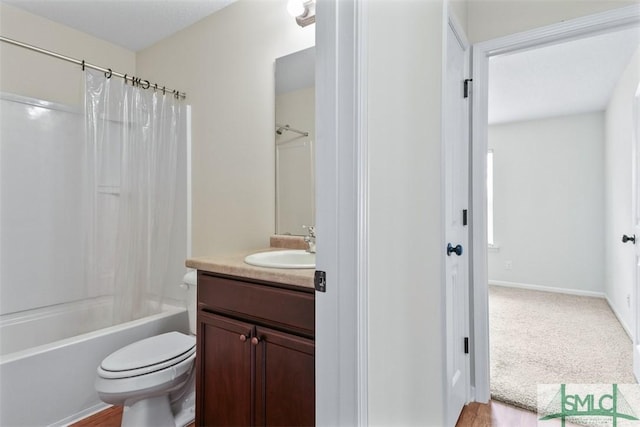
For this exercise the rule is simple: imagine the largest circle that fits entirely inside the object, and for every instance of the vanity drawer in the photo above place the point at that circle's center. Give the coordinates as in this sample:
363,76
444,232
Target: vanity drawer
268,305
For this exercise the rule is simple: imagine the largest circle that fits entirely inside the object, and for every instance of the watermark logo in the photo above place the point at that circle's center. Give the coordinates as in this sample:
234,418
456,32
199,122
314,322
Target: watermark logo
589,404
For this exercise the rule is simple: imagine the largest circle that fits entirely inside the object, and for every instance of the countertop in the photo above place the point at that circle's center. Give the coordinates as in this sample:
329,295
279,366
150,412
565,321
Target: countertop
234,265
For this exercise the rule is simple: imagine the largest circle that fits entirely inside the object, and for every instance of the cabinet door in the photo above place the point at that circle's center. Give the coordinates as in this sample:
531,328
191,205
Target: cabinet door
224,386
285,379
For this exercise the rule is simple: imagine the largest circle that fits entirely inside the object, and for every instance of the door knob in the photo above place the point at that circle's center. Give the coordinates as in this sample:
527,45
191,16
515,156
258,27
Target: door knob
255,340
455,249
631,239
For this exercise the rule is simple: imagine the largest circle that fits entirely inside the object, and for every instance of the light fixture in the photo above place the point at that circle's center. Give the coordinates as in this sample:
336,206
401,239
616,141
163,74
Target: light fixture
303,10
295,7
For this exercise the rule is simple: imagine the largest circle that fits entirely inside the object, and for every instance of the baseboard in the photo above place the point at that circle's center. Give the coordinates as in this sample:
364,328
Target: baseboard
81,415
622,322
529,286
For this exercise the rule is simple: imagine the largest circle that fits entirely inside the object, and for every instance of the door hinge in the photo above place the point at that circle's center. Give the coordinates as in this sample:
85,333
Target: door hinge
467,87
464,217
320,281
466,345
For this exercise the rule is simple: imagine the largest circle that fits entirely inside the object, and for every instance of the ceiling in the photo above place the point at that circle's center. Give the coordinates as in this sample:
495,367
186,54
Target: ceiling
132,24
567,78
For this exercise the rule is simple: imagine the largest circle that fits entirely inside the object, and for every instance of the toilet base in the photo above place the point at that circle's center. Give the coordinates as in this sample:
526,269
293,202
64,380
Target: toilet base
183,403
187,412
152,411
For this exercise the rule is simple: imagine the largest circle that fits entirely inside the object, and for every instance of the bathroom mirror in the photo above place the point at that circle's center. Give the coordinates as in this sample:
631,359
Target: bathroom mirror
295,141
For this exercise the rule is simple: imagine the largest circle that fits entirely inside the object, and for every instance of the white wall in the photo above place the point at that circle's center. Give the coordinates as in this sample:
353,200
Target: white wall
459,9
548,202
39,76
619,134
488,19
225,64
406,328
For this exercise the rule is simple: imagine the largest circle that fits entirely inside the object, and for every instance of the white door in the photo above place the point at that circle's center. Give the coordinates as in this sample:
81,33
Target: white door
456,250
635,186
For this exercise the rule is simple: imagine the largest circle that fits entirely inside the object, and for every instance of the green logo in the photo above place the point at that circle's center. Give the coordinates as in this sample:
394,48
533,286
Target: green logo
593,405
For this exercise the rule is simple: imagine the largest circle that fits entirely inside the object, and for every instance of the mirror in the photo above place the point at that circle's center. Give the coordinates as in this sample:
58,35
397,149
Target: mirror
295,141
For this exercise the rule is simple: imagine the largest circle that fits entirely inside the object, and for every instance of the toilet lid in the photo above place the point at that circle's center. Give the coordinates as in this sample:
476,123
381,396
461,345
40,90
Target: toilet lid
150,352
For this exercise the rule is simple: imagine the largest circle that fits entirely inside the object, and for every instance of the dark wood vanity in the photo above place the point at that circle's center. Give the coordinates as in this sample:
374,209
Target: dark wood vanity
255,352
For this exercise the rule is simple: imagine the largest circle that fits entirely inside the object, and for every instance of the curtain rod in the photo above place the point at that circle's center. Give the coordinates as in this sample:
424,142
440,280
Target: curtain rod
135,81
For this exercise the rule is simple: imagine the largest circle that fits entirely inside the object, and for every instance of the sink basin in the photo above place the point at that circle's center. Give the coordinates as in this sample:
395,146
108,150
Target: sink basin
289,258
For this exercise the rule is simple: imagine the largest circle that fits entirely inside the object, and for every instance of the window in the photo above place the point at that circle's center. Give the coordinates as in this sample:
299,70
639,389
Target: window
490,199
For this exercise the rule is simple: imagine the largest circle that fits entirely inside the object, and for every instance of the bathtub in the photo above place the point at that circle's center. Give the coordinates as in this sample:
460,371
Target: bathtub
50,383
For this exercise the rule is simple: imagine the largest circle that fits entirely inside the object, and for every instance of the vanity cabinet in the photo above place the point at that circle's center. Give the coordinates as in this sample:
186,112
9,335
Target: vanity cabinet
255,353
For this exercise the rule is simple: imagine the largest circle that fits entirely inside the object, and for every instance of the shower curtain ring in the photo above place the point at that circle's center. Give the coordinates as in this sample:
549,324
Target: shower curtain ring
125,79
109,74
83,65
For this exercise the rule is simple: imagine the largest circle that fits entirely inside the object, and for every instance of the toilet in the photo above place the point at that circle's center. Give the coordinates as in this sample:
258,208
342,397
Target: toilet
154,378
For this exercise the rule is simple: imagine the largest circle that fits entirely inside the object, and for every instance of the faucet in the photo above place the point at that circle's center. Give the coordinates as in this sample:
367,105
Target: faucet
310,238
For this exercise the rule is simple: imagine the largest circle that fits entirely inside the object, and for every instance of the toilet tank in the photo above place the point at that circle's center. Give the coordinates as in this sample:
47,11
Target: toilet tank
190,284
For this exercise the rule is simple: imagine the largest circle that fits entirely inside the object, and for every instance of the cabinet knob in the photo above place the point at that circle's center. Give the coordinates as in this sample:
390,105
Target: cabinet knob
255,340
243,337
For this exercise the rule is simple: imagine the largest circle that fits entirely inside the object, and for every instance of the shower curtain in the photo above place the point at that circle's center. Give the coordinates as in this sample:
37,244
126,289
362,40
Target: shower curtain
130,161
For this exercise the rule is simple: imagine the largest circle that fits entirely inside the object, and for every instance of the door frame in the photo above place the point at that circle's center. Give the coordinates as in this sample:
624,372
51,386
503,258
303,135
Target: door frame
635,214
342,213
481,53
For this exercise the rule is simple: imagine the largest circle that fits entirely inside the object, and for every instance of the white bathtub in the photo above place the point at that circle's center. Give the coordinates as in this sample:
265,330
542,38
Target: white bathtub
51,383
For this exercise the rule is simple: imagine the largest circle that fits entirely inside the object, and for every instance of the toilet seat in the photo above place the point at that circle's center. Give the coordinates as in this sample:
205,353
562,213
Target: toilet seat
117,391
148,356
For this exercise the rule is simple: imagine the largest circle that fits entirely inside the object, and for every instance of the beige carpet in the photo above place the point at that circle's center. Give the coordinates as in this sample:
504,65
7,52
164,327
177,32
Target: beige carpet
549,338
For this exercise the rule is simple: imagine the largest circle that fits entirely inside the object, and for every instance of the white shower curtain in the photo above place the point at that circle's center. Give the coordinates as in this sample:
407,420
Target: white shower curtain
130,191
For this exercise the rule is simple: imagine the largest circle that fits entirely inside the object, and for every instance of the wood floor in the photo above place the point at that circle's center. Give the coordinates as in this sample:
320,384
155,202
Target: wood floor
110,417
493,414
496,414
